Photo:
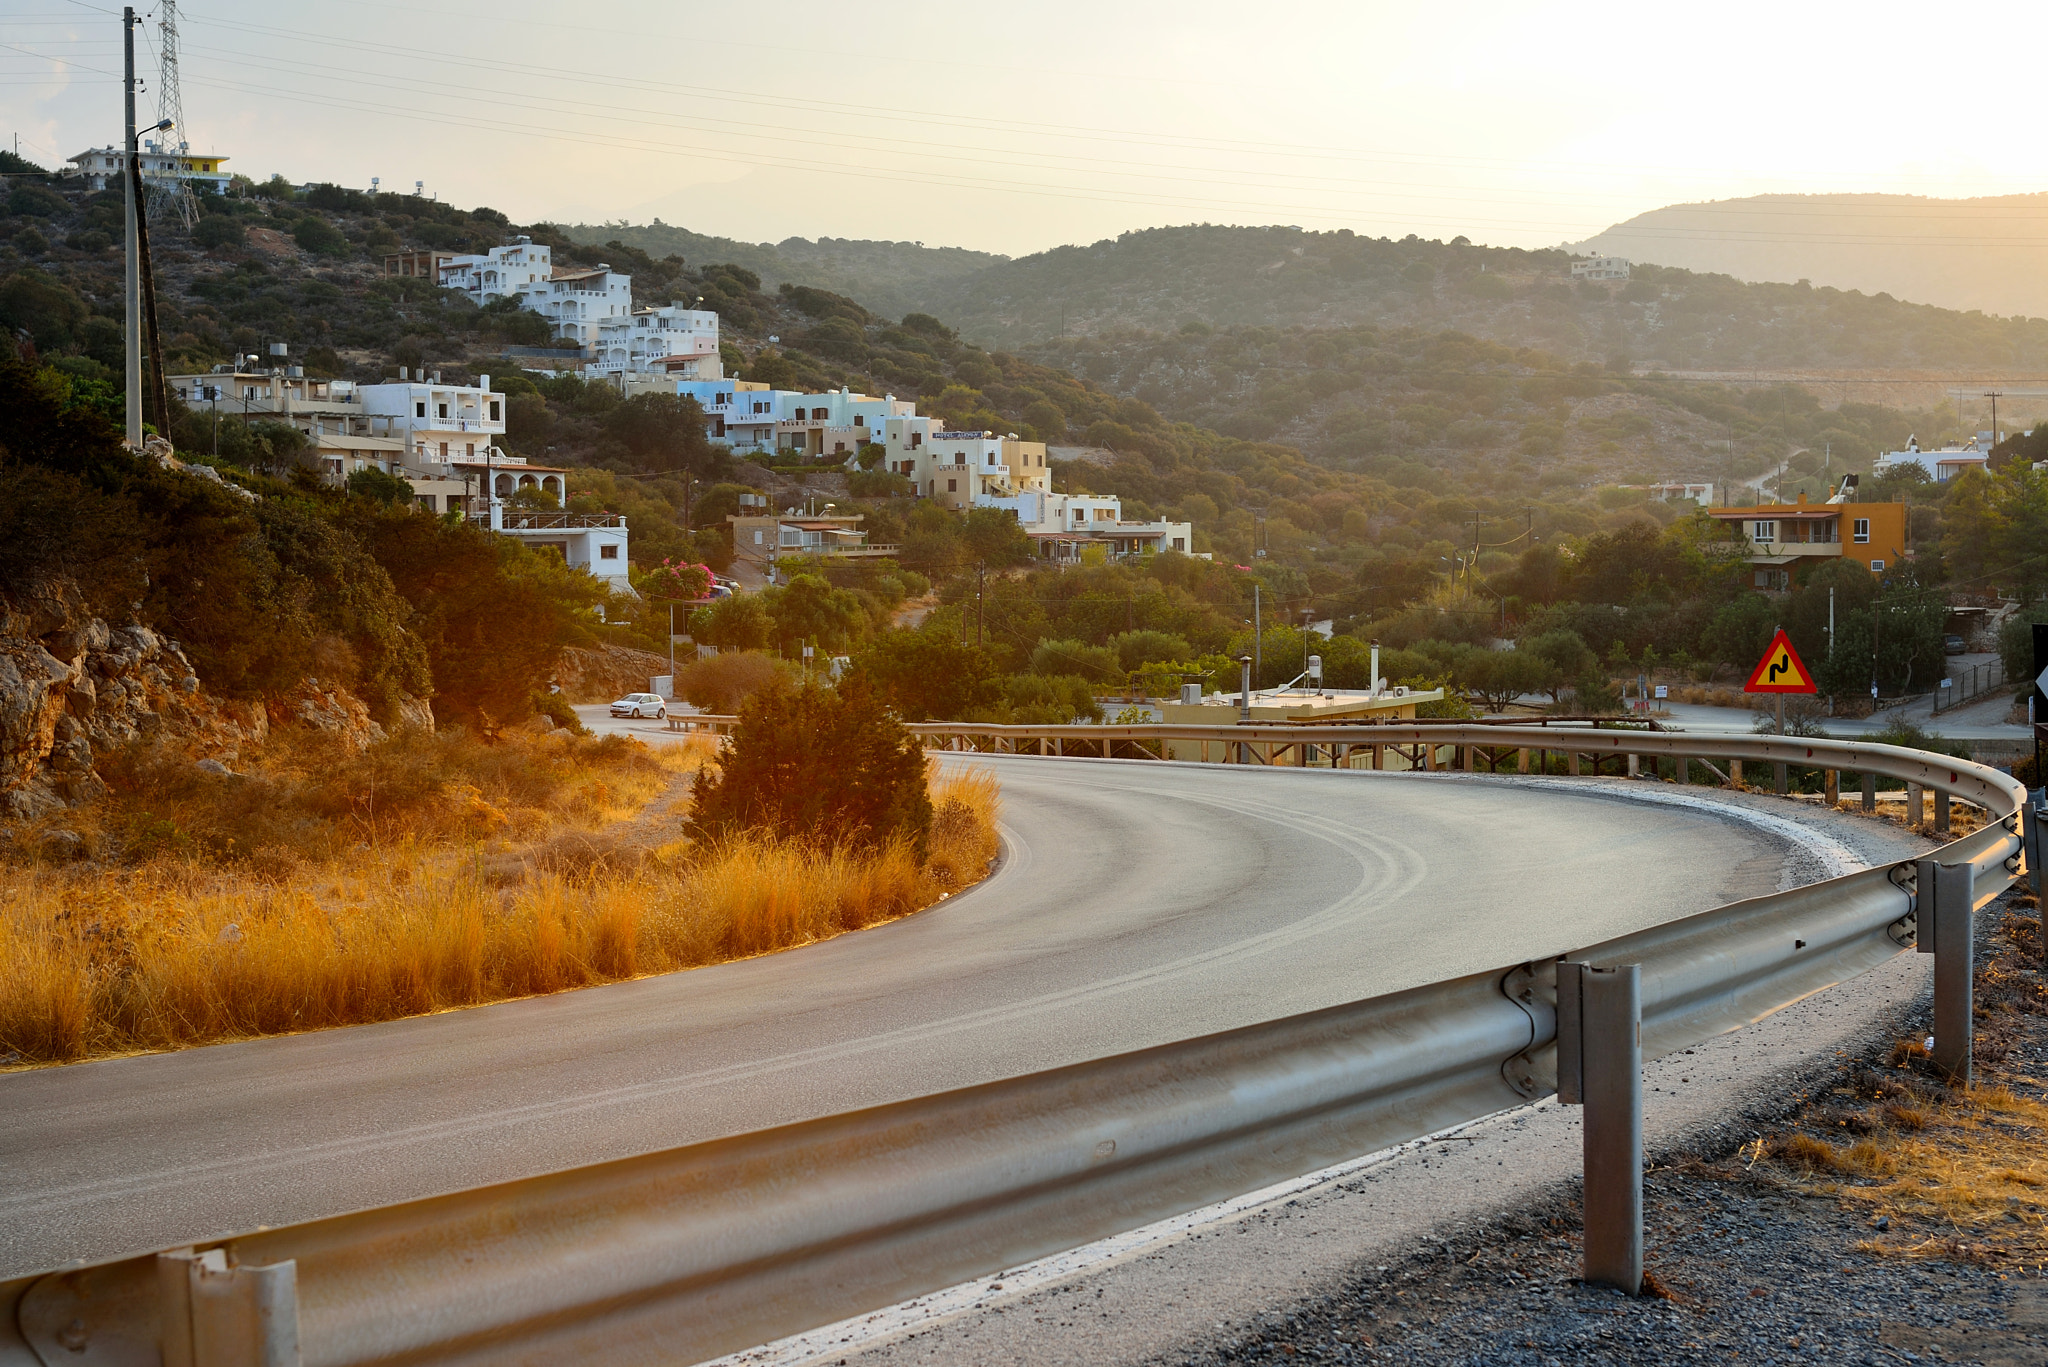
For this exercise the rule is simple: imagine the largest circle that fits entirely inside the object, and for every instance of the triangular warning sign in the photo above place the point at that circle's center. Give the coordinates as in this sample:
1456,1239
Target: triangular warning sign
1781,670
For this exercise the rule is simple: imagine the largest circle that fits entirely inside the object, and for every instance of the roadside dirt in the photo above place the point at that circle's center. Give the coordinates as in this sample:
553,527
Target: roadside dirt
1885,1219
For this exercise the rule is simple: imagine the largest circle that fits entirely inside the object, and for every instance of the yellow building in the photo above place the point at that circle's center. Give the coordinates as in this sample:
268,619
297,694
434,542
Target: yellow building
1780,538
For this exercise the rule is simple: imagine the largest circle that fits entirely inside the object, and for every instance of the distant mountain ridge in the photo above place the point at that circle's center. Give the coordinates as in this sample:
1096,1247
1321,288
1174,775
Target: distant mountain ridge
889,277
1987,254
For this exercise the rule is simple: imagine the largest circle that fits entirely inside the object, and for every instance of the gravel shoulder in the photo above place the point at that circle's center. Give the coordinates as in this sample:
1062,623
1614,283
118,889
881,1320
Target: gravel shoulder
1465,1248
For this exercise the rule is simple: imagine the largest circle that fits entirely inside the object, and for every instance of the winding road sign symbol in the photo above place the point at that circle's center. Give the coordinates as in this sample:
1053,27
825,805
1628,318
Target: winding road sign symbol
1781,670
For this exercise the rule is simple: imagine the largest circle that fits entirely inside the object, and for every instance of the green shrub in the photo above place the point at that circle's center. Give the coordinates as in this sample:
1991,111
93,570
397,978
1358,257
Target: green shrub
830,769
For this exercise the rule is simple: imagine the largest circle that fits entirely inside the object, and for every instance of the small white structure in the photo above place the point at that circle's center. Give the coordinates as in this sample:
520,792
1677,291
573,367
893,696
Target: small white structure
587,541
1600,268
1942,465
1063,526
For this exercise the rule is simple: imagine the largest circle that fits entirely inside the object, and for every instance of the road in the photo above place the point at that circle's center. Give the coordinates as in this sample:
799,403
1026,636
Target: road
1137,903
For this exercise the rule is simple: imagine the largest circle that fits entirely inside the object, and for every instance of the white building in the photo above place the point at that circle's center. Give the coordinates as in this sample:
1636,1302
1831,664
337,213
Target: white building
588,541
1600,268
674,340
517,271
441,424
591,308
1940,466
104,166
1063,526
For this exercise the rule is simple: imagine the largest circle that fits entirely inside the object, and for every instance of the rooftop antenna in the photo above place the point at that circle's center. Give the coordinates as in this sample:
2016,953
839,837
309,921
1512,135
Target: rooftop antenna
170,192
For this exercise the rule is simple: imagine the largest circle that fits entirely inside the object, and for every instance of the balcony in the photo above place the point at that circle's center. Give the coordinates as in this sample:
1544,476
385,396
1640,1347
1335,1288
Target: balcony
560,522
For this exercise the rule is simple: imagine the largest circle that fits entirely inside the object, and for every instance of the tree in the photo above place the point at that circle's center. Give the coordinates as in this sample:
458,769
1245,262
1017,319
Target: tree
370,482
1501,676
927,674
827,768
665,432
808,609
1564,655
740,622
721,683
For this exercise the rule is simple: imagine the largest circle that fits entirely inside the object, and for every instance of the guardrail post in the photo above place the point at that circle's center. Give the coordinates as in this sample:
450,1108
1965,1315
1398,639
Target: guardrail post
1915,807
1869,791
1522,760
1831,787
1941,811
1600,1066
214,1315
1571,763
1779,783
1734,773
1635,766
1944,906
2030,834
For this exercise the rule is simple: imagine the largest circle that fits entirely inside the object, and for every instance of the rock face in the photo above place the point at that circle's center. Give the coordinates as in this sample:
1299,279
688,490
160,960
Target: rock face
73,689
601,675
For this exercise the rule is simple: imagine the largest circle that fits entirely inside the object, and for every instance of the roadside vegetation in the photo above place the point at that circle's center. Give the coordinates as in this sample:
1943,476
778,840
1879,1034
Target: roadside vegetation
1957,1173
320,887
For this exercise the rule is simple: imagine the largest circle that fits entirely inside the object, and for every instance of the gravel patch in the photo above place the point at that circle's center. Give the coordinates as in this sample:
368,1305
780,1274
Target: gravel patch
1747,1266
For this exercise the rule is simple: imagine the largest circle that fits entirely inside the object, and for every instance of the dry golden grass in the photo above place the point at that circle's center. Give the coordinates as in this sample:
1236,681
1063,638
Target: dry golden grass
1961,1174
530,873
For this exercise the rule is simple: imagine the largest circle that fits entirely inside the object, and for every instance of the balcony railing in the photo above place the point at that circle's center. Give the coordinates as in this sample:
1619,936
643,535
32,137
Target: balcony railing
551,522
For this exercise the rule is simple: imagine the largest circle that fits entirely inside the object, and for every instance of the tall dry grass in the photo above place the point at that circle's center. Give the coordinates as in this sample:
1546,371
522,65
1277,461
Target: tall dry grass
182,949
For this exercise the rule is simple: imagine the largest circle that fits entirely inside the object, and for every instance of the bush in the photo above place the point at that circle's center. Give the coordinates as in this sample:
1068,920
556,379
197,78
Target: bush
721,683
316,234
830,769
218,230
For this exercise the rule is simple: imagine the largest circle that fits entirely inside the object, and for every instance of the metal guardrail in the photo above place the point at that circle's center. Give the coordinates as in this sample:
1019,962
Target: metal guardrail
685,1254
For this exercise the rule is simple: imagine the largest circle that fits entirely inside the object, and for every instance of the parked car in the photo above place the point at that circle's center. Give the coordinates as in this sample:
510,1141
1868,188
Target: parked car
640,705
1954,645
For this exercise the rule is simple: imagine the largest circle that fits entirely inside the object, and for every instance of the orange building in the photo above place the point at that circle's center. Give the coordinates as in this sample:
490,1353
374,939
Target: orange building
1780,538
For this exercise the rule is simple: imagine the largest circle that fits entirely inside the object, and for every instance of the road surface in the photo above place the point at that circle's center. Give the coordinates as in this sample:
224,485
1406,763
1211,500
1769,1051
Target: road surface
1136,904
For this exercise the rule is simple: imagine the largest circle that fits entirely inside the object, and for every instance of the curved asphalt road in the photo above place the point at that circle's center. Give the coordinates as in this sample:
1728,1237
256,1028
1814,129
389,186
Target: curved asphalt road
1137,903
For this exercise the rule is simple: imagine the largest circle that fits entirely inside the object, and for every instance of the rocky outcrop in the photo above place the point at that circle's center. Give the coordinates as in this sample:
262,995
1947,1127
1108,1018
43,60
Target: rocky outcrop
74,689
603,674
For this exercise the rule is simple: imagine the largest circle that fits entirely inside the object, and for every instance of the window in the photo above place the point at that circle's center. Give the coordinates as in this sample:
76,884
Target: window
419,410
444,450
471,452
494,410
1877,567
952,486
1862,531
757,536
607,552
442,410
1763,531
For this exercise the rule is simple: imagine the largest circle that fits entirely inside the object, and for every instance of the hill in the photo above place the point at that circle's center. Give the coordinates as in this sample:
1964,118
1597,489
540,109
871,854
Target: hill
890,277
1663,318
1986,254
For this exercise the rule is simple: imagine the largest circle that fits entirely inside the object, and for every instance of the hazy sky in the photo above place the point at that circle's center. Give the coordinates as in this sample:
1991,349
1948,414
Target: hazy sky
1013,128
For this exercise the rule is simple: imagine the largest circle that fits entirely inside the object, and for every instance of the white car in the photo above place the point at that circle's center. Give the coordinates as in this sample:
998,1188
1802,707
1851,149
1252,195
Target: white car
640,705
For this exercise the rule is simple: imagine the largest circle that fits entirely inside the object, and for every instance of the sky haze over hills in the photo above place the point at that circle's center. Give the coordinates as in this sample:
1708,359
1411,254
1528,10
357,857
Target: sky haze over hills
1013,129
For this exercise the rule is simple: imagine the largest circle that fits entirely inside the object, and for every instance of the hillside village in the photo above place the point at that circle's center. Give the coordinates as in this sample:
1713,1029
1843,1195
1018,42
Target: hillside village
1443,493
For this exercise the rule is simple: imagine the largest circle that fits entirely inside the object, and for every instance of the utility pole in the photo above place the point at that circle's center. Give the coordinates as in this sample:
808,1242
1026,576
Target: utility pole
1993,395
132,285
1258,635
978,580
